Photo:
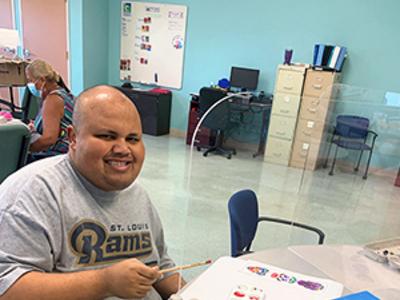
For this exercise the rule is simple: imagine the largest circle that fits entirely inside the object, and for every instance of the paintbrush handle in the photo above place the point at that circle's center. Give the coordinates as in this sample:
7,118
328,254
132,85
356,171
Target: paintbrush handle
184,267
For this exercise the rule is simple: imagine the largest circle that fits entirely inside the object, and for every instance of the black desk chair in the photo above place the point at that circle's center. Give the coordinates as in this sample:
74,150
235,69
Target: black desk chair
217,120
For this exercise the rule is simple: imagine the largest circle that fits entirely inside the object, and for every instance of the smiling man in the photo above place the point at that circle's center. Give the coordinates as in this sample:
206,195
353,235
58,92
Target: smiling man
78,226
106,145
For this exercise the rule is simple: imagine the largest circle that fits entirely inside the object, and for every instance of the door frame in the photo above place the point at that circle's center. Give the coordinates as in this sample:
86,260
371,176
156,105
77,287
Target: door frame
68,50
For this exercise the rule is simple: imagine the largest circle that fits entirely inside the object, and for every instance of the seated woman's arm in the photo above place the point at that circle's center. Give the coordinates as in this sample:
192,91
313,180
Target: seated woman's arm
53,111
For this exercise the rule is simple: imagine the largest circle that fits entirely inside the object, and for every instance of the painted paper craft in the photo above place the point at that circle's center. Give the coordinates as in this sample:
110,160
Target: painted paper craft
256,270
246,292
228,276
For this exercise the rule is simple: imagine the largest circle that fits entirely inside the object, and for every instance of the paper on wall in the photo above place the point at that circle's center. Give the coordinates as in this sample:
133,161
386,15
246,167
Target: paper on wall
9,38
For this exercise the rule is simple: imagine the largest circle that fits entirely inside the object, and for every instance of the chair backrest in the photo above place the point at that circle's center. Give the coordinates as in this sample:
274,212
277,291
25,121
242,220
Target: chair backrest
30,105
14,143
218,118
243,215
354,127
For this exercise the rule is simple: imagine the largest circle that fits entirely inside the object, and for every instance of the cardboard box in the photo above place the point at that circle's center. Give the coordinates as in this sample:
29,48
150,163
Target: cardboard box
12,72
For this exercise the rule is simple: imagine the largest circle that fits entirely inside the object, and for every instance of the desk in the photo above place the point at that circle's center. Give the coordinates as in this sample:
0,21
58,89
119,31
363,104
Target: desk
254,108
342,263
238,106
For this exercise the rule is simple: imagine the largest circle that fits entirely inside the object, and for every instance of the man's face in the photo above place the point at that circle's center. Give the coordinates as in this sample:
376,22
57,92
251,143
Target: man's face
107,147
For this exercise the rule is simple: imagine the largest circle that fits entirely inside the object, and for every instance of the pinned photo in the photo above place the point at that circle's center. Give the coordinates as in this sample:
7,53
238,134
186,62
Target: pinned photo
125,64
127,9
145,38
177,42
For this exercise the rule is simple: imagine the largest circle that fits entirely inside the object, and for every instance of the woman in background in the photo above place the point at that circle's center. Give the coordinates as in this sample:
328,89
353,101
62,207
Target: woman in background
49,129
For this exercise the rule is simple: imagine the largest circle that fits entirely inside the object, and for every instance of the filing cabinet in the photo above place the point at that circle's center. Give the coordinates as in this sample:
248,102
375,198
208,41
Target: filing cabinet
204,137
154,109
285,108
309,146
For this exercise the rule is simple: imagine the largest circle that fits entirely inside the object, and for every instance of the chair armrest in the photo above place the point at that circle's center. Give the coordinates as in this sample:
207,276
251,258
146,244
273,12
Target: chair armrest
304,226
372,132
195,97
5,103
10,105
375,135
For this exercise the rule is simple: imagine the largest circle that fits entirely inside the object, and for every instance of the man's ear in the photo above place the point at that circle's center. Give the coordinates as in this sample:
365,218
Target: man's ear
71,137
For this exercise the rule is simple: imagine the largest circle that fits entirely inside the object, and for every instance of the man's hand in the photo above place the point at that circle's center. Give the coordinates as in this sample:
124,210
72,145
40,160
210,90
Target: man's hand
129,278
31,126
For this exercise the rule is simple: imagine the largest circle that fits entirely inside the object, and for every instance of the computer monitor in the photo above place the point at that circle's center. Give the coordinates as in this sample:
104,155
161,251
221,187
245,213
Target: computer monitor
246,79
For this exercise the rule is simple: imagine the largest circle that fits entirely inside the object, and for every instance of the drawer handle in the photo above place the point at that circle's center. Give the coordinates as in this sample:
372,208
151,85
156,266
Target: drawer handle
280,133
285,111
317,86
315,102
312,110
277,154
288,87
303,154
307,133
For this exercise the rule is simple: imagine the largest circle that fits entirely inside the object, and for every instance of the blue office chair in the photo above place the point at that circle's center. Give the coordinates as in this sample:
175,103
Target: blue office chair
244,219
351,132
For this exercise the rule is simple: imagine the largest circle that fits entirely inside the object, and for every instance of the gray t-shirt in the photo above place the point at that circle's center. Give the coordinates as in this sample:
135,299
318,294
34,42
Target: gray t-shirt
53,220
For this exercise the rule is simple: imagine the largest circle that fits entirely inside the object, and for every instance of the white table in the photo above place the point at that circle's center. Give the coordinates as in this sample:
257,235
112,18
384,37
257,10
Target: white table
13,122
342,263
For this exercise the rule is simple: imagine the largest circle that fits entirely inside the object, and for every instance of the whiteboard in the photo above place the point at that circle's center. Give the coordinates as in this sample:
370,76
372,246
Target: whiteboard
152,43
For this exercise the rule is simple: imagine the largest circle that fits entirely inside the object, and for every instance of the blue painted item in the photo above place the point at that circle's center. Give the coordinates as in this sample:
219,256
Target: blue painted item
359,296
224,83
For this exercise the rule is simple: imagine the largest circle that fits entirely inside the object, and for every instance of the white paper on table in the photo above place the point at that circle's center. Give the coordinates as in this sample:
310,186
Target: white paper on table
9,38
346,264
217,282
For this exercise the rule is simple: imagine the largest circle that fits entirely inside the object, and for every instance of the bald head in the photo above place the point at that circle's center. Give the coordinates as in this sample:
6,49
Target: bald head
106,144
98,98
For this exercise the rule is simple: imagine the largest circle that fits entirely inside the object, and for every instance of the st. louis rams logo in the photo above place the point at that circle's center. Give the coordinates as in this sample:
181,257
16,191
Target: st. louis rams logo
92,244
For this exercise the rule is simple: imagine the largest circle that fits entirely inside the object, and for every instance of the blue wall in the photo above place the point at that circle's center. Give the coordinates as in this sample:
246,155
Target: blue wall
89,43
95,42
76,45
255,33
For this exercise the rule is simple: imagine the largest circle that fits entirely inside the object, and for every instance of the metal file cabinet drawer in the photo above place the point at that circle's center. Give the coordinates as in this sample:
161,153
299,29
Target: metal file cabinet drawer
278,151
286,104
304,155
282,127
289,81
318,83
314,108
309,130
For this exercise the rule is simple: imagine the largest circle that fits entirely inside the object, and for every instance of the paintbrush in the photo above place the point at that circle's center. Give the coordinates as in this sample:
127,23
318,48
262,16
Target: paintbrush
184,267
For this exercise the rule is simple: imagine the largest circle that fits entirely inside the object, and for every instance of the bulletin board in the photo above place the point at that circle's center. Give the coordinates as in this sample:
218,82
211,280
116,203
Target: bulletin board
152,43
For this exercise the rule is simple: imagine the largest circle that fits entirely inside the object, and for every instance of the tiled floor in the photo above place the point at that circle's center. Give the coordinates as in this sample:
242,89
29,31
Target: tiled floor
191,193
